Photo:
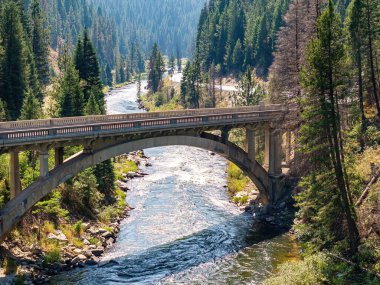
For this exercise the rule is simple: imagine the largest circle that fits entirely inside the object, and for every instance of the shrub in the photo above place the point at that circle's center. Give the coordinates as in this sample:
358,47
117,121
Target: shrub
78,230
94,241
309,271
52,255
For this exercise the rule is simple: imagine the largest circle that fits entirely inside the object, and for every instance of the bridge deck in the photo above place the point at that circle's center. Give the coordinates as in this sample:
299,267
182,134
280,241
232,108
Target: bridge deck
37,131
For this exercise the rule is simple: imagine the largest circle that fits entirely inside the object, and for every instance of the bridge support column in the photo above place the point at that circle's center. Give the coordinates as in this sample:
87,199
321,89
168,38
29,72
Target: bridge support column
225,134
14,174
267,135
288,146
272,159
251,144
44,163
58,156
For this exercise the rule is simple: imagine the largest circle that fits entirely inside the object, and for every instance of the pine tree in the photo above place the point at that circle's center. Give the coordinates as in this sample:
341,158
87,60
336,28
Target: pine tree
354,25
40,42
3,111
86,62
325,204
179,61
172,63
371,33
109,75
71,94
238,56
31,108
156,69
251,93
92,107
139,85
12,38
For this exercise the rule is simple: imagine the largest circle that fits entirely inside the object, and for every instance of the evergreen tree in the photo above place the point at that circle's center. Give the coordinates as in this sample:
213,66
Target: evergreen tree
31,108
325,203
92,107
109,76
179,61
156,69
354,25
12,38
86,62
139,85
172,63
3,111
40,42
250,92
71,94
122,74
238,57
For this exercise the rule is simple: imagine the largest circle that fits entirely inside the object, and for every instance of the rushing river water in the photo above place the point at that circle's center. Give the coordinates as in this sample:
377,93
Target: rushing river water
183,229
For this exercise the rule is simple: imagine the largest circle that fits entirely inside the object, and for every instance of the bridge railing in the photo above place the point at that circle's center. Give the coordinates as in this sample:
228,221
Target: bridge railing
43,132
15,125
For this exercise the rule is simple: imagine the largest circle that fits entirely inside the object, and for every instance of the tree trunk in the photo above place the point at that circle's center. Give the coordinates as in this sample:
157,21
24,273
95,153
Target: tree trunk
371,59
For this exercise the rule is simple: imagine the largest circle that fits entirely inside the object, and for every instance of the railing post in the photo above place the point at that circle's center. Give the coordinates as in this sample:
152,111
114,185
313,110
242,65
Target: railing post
250,135
58,156
14,174
44,163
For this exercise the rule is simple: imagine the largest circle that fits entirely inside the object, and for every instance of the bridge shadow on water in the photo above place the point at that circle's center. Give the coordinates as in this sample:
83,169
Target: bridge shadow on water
153,264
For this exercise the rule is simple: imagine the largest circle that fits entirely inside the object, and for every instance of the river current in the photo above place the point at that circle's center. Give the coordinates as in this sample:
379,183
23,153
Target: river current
183,229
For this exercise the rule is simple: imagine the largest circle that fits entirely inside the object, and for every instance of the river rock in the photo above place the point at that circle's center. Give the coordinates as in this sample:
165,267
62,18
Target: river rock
79,258
269,219
107,235
86,226
97,251
96,231
58,235
123,186
88,253
91,262
77,251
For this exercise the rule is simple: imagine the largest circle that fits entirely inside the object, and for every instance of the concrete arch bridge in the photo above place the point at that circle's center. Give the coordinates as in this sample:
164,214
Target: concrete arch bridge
105,137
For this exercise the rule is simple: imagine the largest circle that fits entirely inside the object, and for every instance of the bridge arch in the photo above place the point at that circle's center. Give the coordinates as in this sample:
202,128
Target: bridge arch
16,208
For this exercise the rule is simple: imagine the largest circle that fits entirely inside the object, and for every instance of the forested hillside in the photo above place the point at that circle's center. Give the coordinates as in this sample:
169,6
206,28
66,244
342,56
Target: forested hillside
169,23
123,31
236,34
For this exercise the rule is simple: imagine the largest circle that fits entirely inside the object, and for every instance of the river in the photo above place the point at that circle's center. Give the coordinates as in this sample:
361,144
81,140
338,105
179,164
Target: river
183,229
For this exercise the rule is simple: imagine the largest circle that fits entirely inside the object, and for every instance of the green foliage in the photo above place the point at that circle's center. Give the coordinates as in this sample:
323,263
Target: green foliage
40,42
236,180
92,107
71,94
13,81
78,230
31,108
191,85
51,207
325,204
319,269
156,69
105,178
52,256
251,92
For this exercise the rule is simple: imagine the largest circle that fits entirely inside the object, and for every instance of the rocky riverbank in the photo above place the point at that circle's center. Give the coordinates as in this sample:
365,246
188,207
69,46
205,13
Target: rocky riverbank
25,263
